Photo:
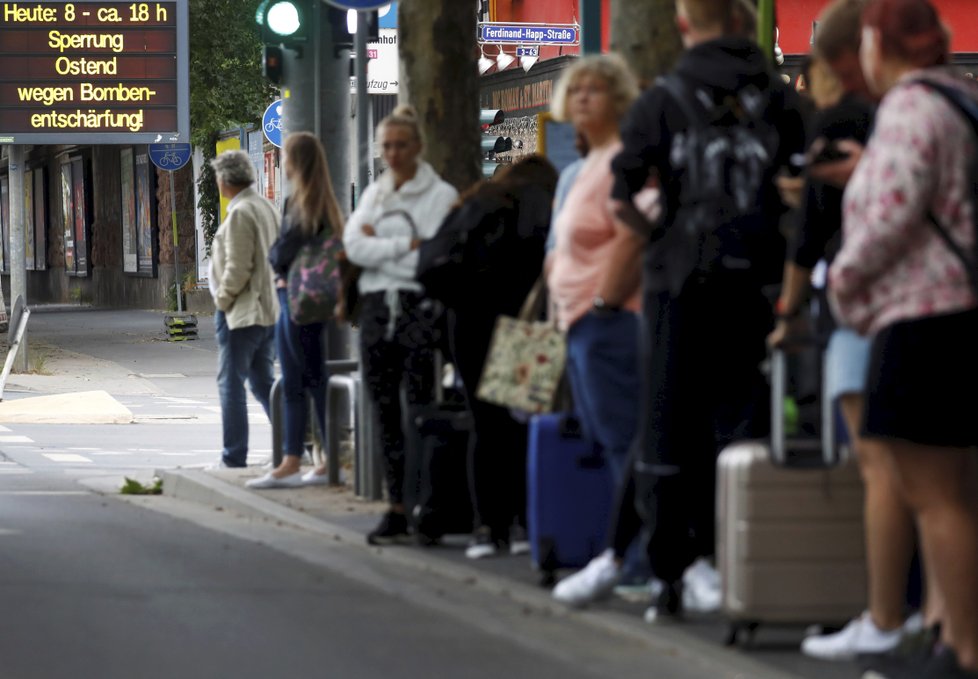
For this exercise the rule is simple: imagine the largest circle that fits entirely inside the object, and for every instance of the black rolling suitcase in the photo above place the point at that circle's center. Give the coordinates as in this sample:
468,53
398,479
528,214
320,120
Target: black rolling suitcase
437,496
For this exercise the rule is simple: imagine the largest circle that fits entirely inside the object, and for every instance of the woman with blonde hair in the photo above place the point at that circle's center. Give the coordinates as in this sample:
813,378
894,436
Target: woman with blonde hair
397,323
311,208
600,320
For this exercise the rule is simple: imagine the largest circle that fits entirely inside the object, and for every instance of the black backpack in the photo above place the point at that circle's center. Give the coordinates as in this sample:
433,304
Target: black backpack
725,160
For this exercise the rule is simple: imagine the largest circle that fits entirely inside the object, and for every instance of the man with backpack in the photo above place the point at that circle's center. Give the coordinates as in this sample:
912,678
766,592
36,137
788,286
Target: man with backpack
713,133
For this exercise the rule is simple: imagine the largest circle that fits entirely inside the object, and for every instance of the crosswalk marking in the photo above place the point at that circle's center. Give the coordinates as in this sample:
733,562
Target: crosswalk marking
66,457
3,428
16,439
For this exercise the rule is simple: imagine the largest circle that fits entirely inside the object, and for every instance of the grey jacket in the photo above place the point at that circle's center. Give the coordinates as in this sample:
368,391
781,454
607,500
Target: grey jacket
245,291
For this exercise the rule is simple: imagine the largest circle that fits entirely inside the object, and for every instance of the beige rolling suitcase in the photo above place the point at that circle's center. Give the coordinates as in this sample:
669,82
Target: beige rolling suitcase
789,538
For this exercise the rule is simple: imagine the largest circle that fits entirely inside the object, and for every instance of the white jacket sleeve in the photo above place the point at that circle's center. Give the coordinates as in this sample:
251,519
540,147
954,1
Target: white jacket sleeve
370,252
406,266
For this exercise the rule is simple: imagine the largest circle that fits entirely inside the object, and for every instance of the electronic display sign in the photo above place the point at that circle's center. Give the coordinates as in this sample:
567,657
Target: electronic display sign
94,72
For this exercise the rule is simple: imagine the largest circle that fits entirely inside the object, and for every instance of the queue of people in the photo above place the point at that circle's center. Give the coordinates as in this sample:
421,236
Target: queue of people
693,201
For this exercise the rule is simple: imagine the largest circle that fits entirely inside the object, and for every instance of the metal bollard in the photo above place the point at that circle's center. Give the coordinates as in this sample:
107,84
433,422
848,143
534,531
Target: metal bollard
369,473
340,384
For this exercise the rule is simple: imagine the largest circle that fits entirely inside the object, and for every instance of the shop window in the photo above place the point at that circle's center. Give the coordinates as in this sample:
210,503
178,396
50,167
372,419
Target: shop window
76,213
139,243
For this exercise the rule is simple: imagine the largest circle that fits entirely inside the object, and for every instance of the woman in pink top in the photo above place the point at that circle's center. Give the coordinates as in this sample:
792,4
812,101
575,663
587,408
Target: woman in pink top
601,323
897,280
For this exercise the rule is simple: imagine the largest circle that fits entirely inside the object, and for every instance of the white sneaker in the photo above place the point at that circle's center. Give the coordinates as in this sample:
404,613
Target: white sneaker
861,635
595,581
701,587
269,481
311,478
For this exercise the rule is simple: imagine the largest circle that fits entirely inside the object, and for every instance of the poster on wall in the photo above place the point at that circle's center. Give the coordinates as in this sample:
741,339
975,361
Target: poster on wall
81,223
144,213
4,224
40,220
29,219
67,217
130,263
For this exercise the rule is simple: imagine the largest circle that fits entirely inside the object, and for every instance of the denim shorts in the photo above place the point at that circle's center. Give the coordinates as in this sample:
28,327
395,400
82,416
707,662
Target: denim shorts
847,362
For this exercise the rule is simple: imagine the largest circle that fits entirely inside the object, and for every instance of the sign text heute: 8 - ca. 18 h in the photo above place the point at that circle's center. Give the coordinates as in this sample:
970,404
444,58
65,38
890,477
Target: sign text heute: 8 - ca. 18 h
93,72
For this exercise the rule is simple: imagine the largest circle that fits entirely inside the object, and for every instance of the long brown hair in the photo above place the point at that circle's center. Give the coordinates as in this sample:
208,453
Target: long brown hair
313,200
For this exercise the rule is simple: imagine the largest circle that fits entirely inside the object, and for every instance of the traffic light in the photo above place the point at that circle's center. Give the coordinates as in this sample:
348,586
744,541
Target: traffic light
489,117
492,144
344,23
285,22
272,66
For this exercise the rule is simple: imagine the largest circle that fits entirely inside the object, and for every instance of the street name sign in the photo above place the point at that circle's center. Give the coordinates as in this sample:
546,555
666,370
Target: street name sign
170,156
94,72
538,34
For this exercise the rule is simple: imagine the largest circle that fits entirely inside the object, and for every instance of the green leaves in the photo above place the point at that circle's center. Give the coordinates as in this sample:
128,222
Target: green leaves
134,487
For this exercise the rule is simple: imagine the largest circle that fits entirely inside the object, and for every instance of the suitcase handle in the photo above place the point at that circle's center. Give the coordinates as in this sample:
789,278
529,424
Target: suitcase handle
831,454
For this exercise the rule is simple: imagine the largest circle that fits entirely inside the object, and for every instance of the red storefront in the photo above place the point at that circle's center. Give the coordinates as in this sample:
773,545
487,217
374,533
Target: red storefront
795,19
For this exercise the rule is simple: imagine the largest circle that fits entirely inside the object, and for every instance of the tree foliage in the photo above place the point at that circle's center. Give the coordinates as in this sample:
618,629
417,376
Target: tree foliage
227,88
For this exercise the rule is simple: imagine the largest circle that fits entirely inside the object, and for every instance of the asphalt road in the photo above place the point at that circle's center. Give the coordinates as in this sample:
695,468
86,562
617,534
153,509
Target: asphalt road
97,587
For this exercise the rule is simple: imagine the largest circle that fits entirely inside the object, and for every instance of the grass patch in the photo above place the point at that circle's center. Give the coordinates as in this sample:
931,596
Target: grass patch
134,487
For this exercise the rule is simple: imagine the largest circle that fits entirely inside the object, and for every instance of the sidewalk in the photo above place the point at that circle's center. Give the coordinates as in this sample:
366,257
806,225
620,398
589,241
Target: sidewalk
121,352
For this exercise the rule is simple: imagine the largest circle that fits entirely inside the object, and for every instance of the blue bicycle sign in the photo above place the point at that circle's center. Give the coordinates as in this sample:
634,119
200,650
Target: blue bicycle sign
271,123
170,156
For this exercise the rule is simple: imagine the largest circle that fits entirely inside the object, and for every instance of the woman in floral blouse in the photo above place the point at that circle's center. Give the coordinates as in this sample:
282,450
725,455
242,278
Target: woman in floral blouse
897,280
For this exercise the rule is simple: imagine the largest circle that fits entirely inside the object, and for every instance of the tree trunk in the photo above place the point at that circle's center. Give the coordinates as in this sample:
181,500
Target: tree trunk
440,78
644,33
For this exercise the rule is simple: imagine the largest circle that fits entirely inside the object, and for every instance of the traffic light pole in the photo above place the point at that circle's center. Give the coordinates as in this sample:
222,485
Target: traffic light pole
363,106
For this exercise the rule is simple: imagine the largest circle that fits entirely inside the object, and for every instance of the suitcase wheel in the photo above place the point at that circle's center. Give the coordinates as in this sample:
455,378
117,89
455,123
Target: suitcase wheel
738,630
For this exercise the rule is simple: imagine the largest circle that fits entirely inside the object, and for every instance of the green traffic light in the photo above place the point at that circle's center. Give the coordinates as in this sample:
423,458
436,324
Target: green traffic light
283,18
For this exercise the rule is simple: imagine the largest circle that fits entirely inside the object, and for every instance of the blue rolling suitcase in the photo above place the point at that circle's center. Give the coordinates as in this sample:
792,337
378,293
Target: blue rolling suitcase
569,495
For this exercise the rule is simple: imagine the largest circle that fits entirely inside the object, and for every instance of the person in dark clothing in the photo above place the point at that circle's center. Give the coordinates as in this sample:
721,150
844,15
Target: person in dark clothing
506,220
707,262
311,208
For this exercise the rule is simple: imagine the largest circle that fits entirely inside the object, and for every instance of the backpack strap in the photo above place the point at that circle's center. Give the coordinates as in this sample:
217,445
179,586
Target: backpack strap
968,109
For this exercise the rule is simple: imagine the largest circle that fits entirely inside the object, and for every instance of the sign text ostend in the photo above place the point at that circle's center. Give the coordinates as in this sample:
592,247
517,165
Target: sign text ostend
113,72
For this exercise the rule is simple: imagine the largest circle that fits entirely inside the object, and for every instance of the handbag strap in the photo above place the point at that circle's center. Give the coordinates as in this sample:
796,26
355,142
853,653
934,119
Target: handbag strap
533,306
401,213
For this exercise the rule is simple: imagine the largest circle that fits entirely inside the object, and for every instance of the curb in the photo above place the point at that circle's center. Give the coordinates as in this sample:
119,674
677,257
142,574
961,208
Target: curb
201,488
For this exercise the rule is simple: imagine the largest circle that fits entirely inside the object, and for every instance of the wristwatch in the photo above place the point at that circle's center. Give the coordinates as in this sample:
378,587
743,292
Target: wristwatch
598,304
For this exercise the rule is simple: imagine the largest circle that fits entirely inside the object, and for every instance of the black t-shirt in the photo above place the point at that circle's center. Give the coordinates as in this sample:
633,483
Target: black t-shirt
819,232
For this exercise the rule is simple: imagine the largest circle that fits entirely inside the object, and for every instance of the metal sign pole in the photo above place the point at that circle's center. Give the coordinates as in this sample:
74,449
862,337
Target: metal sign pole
176,245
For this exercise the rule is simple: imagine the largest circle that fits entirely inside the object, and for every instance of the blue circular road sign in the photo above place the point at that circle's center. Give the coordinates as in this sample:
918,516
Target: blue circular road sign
271,122
170,156
361,5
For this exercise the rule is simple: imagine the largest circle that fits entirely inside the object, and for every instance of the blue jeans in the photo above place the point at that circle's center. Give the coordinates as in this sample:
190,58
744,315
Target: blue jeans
242,354
300,355
603,366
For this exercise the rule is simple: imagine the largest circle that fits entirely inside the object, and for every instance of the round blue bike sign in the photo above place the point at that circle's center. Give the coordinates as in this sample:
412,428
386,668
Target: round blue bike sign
271,123
170,156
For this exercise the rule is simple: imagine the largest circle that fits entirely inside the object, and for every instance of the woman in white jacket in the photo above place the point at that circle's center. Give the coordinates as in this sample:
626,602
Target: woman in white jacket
403,207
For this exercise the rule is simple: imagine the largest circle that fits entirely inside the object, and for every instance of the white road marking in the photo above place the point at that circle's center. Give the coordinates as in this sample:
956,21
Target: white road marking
45,493
16,439
3,428
66,457
178,454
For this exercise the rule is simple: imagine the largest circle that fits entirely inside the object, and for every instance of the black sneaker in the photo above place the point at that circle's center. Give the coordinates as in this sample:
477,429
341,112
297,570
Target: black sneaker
941,665
668,605
913,652
482,544
392,529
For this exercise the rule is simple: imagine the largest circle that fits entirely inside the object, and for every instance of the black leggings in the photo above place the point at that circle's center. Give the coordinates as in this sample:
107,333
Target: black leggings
404,359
